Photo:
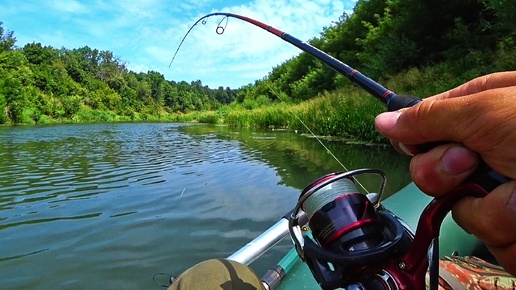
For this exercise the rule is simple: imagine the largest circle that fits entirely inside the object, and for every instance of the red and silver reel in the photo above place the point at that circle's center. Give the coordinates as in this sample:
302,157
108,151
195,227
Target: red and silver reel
353,236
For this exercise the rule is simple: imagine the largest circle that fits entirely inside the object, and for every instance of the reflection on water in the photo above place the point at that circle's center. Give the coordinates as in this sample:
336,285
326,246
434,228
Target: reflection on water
109,205
300,159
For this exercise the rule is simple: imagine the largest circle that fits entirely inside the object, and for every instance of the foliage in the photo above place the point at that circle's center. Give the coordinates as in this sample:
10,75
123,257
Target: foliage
41,84
348,113
417,47
7,40
385,37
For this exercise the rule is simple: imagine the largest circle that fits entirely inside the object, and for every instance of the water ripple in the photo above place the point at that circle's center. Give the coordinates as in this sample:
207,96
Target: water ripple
97,203
38,221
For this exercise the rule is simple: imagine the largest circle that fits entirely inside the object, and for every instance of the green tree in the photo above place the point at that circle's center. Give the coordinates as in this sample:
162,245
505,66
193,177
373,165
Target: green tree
505,19
37,54
7,39
420,32
156,81
15,85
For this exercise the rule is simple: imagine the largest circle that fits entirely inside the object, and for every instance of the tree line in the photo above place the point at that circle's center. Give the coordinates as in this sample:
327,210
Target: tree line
39,82
443,41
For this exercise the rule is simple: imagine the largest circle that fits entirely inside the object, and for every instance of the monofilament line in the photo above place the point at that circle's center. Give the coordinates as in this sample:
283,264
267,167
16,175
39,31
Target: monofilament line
315,136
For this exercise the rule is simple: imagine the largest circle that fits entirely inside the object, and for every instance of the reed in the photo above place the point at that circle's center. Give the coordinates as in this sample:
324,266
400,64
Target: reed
344,114
86,115
210,117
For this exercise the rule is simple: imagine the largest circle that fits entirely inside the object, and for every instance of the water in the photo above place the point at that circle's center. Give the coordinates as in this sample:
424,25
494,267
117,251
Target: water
107,206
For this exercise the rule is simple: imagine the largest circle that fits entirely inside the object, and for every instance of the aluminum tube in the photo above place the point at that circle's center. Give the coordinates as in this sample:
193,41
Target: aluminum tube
261,244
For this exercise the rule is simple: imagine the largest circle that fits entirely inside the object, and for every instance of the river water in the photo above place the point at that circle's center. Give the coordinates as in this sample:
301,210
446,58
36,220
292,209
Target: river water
107,206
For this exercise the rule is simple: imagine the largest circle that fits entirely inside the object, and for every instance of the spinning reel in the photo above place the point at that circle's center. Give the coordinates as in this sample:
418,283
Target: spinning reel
356,243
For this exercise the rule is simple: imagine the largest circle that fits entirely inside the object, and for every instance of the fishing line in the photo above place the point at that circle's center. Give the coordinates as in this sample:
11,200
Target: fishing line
219,30
315,136
203,20
355,76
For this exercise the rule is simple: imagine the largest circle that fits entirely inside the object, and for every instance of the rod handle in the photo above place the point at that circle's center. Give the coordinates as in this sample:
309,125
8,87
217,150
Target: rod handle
401,101
484,176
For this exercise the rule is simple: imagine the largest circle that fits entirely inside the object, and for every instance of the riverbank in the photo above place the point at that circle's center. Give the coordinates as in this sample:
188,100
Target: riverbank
340,115
346,113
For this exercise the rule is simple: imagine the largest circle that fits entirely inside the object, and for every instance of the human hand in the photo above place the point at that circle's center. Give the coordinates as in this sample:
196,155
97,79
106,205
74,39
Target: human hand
478,119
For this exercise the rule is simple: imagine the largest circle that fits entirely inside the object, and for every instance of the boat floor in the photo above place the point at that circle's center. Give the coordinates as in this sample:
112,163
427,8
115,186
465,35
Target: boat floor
298,274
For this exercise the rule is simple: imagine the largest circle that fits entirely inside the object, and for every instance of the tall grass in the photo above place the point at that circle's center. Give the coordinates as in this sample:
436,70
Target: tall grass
346,113
349,112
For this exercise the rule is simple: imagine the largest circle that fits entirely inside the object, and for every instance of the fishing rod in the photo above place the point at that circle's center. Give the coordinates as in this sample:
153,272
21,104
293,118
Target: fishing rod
392,100
378,242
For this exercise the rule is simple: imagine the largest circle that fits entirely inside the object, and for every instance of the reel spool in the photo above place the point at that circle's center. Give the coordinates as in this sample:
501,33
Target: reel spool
352,235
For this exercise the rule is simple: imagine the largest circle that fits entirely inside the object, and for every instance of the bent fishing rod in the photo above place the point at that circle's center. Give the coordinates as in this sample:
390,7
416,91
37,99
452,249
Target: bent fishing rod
393,101
485,177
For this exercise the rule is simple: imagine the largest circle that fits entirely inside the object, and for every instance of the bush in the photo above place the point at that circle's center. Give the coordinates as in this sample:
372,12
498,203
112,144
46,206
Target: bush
86,115
209,117
45,119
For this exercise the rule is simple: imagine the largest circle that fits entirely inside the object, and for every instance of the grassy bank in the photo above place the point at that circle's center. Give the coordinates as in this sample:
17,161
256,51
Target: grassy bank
88,115
349,112
346,113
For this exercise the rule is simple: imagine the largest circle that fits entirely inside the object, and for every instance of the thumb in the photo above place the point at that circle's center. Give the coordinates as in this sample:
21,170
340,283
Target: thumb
428,121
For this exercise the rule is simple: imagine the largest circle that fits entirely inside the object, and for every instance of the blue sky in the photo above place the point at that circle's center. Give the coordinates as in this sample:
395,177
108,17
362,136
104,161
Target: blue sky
146,33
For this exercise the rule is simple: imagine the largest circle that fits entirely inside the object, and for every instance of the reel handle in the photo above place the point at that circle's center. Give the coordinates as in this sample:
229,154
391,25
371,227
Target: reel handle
411,269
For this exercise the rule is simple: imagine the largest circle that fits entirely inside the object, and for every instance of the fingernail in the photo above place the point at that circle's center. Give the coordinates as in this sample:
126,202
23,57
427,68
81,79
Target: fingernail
512,201
386,121
405,149
458,160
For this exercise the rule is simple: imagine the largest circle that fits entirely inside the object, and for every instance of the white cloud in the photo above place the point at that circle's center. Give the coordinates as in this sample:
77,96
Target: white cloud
247,50
145,33
242,50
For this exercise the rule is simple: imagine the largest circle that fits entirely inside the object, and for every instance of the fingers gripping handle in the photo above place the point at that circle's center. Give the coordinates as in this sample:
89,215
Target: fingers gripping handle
479,184
484,176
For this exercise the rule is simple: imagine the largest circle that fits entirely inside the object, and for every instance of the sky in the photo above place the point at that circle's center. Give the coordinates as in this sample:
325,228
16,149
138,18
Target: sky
146,33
